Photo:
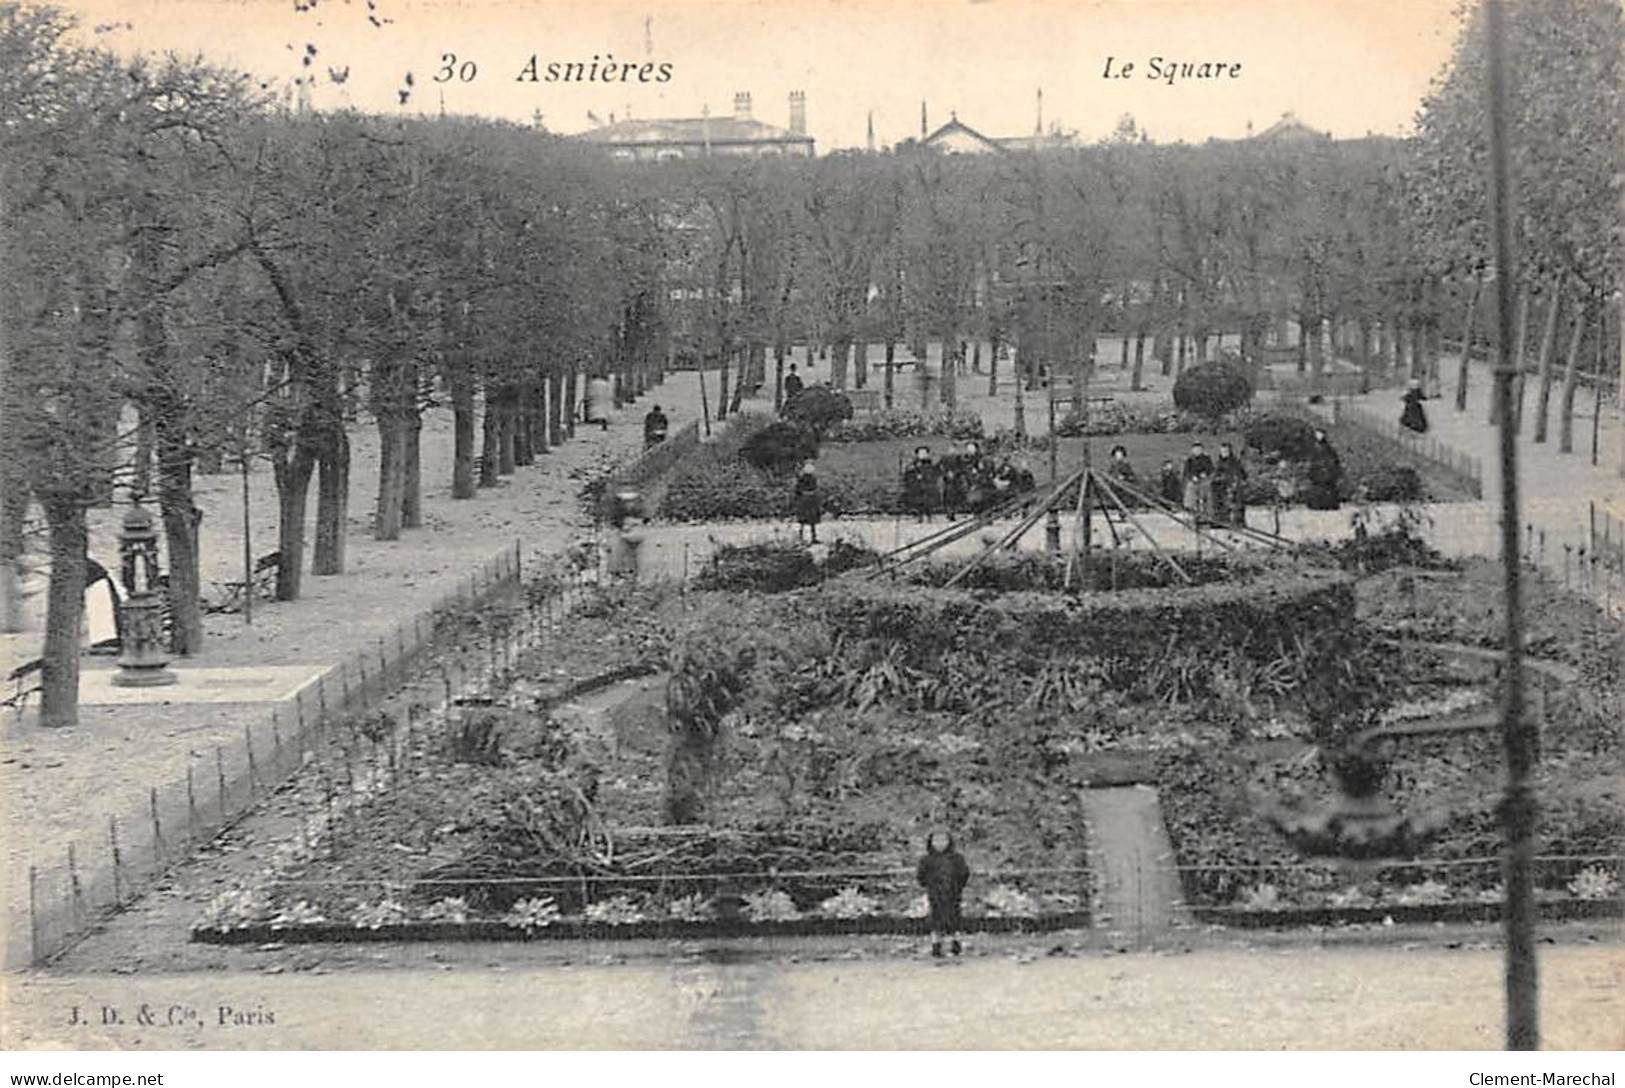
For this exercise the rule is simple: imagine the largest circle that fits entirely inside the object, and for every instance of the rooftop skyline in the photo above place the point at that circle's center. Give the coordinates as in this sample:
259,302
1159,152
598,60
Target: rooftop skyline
1347,67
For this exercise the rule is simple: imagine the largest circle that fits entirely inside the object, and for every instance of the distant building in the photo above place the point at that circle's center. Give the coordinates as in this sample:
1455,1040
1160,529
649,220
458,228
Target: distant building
958,138
662,139
1291,130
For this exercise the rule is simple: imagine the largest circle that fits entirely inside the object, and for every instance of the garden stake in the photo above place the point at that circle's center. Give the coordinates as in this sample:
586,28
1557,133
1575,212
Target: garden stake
33,916
383,666
78,904
157,832
362,663
191,805
276,738
220,777
332,828
253,773
118,860
299,706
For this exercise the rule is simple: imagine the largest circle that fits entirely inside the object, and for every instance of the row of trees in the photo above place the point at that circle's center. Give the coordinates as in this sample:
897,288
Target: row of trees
194,278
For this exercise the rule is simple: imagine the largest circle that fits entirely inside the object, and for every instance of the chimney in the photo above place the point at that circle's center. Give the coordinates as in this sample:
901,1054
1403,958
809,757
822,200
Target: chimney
798,113
742,106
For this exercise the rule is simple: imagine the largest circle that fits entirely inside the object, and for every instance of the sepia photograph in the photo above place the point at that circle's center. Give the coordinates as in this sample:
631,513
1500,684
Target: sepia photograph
812,525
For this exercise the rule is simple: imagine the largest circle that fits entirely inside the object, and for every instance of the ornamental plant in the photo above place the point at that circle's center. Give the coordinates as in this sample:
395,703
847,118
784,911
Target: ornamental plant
619,910
377,915
529,914
849,902
770,905
450,909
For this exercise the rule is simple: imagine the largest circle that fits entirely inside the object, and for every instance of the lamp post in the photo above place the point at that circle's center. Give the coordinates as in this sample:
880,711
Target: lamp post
142,660
1518,809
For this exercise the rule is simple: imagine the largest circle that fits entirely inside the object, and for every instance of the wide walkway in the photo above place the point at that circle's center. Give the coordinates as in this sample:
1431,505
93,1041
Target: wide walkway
62,786
1248,998
1557,489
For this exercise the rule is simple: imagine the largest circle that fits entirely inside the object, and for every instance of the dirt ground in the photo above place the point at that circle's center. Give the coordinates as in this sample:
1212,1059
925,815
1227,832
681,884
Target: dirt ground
835,995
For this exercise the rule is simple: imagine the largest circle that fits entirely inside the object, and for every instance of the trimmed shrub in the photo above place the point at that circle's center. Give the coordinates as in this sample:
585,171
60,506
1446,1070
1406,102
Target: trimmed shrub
818,408
780,448
1212,389
1293,437
713,485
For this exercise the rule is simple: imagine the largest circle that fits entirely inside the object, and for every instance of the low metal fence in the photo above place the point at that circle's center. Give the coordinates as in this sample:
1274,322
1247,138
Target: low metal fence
75,886
1420,446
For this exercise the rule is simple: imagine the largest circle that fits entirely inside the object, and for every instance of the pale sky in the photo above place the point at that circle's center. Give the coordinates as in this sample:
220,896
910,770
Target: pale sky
1344,66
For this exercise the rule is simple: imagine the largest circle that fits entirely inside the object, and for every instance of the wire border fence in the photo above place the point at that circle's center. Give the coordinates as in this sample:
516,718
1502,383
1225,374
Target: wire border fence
95,879
1422,447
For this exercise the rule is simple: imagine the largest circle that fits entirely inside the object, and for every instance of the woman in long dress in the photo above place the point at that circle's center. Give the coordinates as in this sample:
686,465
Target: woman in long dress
1414,417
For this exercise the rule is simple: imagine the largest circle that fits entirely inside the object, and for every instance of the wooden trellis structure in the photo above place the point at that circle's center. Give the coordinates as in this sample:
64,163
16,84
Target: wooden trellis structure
1116,500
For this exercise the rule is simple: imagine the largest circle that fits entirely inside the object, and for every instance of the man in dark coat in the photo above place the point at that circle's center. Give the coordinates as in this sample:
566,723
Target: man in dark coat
792,384
1199,483
654,427
922,484
943,873
1325,475
1229,486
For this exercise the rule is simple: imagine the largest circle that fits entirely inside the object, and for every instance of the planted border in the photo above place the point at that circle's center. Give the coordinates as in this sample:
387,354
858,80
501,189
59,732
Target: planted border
335,933
1560,910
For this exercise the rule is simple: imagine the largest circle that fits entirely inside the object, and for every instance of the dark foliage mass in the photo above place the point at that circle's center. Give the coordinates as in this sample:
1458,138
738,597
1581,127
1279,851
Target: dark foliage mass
1212,389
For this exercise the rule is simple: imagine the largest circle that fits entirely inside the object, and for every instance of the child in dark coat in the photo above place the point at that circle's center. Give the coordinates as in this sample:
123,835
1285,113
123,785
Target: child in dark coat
943,873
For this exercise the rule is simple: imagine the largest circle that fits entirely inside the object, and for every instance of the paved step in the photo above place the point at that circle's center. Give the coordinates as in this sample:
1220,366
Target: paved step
1138,890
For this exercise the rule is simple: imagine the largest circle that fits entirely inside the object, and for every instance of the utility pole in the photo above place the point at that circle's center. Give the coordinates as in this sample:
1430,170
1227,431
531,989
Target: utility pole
1517,734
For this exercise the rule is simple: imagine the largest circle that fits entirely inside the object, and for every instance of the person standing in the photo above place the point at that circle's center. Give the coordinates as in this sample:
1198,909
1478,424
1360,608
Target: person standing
943,873
922,484
1325,475
1413,416
1199,483
655,425
1120,468
1170,484
599,398
1229,486
809,503
792,384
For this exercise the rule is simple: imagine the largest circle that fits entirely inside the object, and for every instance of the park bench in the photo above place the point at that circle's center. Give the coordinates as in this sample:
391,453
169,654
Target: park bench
262,583
26,680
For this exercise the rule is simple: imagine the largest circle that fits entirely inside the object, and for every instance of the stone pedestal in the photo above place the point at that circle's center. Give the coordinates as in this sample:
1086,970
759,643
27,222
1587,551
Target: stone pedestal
142,662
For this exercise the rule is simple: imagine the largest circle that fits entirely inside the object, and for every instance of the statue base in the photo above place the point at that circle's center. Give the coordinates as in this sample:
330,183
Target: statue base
149,676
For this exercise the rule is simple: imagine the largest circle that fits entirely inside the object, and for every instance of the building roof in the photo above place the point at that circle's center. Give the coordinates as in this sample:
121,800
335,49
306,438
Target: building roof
1290,128
692,130
958,136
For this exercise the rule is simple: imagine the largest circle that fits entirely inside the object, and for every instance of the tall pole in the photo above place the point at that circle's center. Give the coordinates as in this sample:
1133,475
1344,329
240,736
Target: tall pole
248,547
1517,735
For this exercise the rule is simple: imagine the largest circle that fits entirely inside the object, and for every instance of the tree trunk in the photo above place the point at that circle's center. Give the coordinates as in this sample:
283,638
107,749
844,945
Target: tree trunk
838,364
950,373
523,424
181,517
293,492
540,413
1390,343
1465,368
860,363
386,519
462,441
13,513
1548,347
1303,344
889,379
412,473
572,398
993,364
1137,378
64,613
490,426
1571,376
507,428
779,375
725,357
141,483
555,405
332,505
1179,352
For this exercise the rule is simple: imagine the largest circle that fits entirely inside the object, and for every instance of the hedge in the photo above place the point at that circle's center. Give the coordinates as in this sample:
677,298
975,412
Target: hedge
1275,613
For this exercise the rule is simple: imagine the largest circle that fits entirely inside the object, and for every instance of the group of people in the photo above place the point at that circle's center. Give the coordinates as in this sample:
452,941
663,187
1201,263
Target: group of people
967,481
1212,488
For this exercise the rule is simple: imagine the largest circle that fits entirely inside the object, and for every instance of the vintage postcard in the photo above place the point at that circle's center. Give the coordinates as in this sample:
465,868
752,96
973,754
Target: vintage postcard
812,524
